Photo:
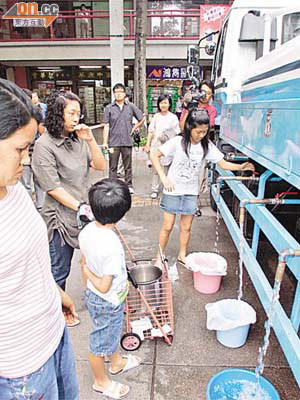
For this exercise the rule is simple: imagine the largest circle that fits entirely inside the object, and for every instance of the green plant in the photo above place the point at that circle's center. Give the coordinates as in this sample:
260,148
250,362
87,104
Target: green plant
142,142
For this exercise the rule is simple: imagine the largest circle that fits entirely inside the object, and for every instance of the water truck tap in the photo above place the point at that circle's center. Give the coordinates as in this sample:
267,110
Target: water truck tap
282,262
275,201
244,202
232,178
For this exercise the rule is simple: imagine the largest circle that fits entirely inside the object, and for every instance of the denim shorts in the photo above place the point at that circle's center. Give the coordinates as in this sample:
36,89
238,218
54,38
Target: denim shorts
107,322
55,380
185,204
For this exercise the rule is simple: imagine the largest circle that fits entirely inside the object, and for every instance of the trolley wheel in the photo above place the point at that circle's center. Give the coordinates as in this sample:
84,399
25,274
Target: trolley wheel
170,337
130,341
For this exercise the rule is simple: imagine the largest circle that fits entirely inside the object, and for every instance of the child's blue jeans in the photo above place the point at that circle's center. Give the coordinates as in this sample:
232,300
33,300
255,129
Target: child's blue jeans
55,380
107,322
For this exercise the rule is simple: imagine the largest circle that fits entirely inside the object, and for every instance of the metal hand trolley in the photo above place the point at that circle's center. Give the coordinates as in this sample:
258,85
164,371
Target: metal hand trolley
149,299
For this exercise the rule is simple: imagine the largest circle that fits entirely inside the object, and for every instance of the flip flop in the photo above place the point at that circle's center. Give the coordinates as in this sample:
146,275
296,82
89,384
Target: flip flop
181,262
113,391
74,323
198,213
132,362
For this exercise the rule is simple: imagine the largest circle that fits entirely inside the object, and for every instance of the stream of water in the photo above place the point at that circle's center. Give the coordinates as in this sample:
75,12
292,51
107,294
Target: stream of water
258,393
268,324
239,389
217,232
240,292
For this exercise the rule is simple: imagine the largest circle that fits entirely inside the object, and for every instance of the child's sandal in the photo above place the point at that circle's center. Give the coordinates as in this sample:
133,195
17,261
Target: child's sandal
113,391
132,362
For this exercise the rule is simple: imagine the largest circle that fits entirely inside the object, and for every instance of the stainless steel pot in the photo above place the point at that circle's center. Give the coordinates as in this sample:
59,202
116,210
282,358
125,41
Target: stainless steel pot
146,274
148,278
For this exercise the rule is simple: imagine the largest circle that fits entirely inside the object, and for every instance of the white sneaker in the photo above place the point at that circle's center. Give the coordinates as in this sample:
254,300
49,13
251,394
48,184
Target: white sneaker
154,195
131,190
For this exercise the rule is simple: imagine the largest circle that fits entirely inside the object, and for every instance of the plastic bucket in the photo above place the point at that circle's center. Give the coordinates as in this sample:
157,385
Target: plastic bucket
235,337
208,269
206,284
233,383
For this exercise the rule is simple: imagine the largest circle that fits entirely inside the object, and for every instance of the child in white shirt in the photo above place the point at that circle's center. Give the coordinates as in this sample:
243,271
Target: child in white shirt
104,269
189,152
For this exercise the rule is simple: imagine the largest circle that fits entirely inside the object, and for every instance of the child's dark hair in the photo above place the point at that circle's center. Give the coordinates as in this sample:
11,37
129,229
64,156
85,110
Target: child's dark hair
164,97
194,119
110,200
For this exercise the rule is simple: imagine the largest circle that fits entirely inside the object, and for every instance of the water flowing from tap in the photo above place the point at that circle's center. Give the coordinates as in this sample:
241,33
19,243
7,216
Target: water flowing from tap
217,232
268,324
241,251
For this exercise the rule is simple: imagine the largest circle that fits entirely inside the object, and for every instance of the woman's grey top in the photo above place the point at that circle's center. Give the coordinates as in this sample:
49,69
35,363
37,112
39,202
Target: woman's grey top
62,162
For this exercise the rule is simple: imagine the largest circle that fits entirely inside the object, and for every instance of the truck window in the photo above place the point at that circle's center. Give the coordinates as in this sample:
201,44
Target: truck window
221,50
290,26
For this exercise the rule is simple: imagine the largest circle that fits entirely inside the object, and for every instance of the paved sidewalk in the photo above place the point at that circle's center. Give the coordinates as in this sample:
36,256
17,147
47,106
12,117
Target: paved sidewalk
183,370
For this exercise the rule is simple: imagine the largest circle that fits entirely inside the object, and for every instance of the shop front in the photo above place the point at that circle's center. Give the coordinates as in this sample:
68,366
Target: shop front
165,80
91,84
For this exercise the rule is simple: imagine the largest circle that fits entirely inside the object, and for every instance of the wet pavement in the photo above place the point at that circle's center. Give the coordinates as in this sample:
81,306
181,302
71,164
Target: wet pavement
183,370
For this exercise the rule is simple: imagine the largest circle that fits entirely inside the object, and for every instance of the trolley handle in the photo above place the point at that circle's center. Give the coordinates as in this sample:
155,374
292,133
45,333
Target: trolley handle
132,279
164,260
136,260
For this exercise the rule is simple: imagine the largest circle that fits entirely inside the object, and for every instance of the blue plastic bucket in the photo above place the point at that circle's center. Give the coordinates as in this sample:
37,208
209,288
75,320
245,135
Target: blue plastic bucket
234,327
231,383
235,337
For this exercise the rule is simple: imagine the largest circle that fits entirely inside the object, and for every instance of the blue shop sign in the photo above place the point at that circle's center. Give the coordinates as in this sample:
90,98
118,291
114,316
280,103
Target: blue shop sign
160,72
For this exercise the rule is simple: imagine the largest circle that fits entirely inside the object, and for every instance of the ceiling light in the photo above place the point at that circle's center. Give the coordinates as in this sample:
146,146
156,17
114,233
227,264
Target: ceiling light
90,67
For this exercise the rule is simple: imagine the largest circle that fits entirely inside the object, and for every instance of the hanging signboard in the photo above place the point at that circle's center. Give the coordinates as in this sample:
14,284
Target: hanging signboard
211,18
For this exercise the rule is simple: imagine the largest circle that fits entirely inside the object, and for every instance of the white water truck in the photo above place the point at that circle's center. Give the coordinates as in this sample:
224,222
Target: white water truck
256,72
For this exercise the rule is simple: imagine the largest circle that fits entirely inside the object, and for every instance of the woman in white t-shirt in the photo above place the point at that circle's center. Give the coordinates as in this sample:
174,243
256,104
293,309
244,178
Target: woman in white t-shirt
163,126
189,152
